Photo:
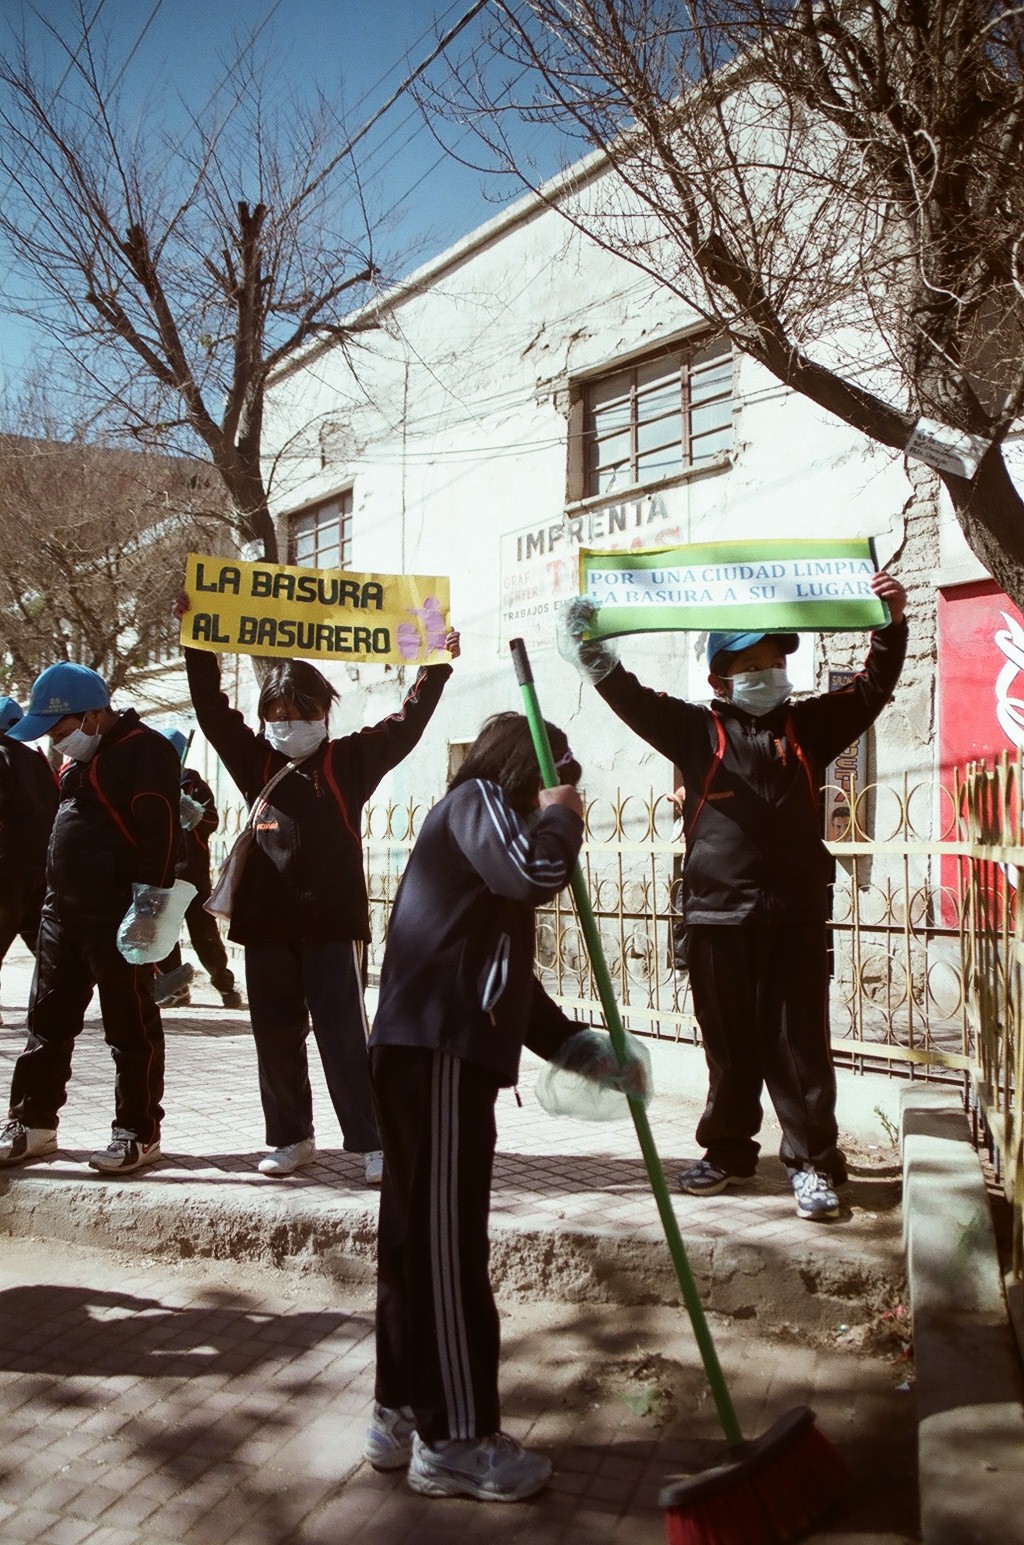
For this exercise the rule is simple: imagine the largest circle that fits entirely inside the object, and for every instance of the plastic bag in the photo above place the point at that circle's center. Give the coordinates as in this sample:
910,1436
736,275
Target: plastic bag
149,929
593,658
190,812
587,1080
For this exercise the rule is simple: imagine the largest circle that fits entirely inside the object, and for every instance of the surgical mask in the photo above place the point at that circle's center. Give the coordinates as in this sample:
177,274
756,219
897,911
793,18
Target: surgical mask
78,746
296,738
758,692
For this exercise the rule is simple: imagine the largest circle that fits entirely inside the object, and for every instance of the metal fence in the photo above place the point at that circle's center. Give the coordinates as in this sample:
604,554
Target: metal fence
927,938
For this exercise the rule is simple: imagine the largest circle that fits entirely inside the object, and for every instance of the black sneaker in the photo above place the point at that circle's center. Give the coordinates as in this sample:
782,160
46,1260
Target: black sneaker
232,999
170,985
706,1179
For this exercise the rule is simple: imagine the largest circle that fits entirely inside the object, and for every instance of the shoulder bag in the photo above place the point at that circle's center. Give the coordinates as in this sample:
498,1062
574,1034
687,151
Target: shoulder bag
221,900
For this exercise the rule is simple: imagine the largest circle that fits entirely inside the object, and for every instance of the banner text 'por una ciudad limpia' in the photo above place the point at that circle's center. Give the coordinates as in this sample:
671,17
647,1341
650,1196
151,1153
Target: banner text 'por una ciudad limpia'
734,586
314,614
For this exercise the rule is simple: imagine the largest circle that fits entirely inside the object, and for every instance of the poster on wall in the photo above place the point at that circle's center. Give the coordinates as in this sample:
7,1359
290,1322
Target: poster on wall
981,683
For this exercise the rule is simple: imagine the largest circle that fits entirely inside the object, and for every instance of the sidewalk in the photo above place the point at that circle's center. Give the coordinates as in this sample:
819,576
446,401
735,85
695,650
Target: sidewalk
205,1377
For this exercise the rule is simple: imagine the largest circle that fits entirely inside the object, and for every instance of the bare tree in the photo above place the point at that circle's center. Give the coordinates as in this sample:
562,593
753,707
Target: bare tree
93,540
839,187
182,266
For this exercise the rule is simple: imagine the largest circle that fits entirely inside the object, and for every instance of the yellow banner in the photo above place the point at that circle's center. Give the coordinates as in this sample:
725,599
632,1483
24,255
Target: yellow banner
314,614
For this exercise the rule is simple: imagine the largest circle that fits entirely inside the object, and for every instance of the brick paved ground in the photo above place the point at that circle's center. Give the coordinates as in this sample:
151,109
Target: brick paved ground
156,1400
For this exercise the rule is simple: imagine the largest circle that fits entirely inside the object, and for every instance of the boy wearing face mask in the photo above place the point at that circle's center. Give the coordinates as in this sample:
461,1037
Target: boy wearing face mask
116,827
755,881
301,911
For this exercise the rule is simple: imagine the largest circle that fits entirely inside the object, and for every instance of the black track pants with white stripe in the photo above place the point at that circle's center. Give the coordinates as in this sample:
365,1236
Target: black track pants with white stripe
437,1325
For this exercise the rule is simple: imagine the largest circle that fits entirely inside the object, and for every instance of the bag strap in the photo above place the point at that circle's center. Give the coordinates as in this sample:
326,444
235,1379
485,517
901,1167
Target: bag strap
261,797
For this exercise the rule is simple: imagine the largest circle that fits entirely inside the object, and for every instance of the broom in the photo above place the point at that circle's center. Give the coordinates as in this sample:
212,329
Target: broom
770,1489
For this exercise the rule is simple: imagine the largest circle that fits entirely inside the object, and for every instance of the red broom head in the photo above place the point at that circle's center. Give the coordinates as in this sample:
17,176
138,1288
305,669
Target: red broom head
766,1492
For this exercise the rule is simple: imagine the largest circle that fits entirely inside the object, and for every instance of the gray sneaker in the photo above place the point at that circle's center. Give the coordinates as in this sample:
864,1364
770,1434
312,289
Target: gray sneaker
388,1443
815,1198
125,1153
494,1469
19,1143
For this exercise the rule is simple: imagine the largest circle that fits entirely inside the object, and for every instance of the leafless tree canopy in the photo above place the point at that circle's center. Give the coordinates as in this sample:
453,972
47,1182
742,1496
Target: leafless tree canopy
93,541
183,255
840,187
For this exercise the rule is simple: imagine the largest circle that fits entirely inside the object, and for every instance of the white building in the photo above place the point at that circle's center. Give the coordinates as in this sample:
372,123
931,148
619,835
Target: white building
527,392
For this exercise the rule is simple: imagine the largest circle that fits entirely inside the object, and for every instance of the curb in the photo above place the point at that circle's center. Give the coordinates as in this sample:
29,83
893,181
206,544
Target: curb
837,1276
969,1384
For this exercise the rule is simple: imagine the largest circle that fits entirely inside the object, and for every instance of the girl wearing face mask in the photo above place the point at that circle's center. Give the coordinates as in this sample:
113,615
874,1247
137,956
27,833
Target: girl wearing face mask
301,911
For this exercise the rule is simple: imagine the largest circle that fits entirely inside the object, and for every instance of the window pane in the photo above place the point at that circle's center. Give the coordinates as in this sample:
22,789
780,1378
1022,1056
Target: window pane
710,445
614,449
658,375
608,403
715,415
662,431
661,463
711,383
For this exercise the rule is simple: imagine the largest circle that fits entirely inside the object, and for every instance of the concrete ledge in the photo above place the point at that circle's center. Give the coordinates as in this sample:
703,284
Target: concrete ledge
969,1385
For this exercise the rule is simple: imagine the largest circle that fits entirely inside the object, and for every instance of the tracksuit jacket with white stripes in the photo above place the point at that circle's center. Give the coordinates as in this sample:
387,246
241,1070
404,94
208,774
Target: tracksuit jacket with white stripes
458,969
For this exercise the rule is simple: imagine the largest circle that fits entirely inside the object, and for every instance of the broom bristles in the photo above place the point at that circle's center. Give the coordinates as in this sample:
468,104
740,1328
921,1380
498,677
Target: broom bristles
767,1492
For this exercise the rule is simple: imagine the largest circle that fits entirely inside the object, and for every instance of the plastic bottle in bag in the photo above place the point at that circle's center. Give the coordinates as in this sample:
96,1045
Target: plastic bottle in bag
149,929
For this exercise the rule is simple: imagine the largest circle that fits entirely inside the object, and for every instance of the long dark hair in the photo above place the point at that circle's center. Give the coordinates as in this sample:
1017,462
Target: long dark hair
503,753
302,685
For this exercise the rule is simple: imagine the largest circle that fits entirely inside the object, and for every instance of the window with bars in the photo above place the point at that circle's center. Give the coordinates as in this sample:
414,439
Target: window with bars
321,537
656,417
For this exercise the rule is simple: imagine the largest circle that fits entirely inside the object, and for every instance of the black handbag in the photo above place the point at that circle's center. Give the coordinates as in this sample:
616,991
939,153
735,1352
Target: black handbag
221,900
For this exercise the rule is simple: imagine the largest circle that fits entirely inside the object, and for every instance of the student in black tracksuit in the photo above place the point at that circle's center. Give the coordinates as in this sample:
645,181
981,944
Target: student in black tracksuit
301,911
755,885
195,867
116,826
28,802
458,1000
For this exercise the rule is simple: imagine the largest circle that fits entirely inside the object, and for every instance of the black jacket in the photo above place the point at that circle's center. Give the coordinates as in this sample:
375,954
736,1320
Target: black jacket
304,877
28,803
117,821
458,967
751,816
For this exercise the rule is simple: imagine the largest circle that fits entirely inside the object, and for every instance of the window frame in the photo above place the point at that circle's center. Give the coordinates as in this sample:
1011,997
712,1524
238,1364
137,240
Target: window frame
584,473
342,503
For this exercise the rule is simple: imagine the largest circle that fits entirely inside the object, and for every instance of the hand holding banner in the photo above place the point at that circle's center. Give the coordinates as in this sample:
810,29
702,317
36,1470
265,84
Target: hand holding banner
733,586
314,614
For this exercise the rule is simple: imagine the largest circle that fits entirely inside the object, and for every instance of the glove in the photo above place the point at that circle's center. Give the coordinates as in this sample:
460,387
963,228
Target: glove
593,658
587,1080
191,812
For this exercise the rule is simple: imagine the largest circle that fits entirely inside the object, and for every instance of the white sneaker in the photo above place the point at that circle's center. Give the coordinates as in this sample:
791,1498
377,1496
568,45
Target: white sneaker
124,1153
373,1167
494,1469
388,1443
286,1160
19,1142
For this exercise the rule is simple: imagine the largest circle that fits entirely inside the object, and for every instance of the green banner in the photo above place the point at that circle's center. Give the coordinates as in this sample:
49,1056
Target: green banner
739,586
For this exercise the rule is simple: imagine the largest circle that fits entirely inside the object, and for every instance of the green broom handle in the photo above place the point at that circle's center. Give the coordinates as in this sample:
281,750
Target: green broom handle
585,914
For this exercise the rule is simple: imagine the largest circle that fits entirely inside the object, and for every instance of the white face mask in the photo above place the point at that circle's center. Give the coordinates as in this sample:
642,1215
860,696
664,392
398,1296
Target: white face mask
758,692
296,738
78,746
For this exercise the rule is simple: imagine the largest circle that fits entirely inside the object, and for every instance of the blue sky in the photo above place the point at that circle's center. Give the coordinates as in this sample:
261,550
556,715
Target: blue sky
358,53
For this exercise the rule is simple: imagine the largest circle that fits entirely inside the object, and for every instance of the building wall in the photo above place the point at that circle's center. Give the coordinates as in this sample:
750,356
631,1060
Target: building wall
449,420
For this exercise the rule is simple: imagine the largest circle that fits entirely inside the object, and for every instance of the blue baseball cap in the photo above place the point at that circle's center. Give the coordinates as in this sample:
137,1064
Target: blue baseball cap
10,713
735,643
59,690
177,740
